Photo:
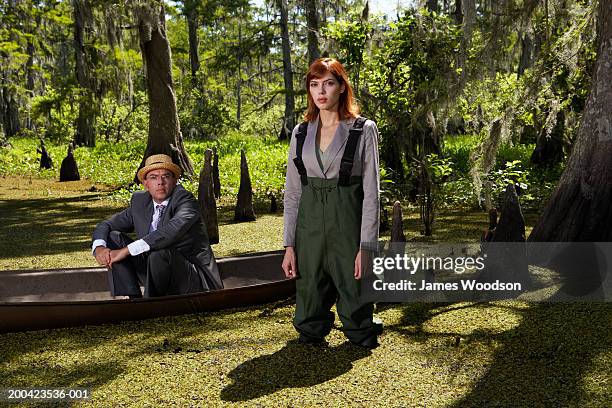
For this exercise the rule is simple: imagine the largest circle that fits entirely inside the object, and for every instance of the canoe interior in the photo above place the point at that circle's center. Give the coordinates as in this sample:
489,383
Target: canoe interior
91,284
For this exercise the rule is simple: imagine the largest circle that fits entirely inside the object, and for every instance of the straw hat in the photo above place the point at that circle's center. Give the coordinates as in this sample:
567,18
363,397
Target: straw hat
156,162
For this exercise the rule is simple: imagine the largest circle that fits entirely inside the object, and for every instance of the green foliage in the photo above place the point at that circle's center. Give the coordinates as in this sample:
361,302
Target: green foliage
411,75
439,168
485,100
458,193
349,39
120,122
18,160
203,115
511,174
115,163
266,158
512,166
263,124
388,190
415,61
458,150
54,115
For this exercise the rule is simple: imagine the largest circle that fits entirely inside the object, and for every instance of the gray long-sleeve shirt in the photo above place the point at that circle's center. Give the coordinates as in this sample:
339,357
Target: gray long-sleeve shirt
365,165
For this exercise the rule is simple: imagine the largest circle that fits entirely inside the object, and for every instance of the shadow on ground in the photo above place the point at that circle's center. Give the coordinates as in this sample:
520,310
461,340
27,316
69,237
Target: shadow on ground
48,226
294,366
543,361
92,356
65,224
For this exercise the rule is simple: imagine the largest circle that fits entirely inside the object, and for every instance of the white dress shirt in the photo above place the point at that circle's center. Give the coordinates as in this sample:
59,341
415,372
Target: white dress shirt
139,246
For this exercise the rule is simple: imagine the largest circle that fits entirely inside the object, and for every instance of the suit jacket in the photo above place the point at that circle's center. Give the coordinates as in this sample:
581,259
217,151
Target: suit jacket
180,228
365,165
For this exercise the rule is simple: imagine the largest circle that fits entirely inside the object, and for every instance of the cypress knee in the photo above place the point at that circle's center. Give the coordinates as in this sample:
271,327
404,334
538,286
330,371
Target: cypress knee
507,262
273,204
511,225
244,206
397,230
215,174
69,170
45,158
206,199
489,235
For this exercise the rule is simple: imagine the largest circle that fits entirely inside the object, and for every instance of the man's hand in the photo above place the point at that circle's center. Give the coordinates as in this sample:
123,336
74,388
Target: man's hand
118,255
103,256
289,264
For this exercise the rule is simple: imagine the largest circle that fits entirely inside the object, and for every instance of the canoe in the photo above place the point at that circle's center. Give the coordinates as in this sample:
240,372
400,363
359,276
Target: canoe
52,298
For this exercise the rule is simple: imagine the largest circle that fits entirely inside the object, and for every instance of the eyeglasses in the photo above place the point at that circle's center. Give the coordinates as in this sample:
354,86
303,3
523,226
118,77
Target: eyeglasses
164,177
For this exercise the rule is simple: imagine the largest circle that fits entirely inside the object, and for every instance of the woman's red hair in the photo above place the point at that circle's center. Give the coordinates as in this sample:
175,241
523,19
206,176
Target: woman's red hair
347,108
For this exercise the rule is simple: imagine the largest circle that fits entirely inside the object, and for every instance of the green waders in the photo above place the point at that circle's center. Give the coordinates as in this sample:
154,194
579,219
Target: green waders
327,241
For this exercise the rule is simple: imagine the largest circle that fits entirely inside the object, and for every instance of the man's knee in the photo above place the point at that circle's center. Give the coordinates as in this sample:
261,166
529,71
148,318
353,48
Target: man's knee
116,240
160,257
159,263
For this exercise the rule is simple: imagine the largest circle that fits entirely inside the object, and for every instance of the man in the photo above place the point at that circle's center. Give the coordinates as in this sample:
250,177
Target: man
172,254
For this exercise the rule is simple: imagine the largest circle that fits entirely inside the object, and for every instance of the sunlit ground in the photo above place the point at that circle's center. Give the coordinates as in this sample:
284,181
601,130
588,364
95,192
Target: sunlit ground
506,354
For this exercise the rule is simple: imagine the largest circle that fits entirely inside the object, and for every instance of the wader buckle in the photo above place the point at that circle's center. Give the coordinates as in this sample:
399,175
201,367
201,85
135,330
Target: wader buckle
346,166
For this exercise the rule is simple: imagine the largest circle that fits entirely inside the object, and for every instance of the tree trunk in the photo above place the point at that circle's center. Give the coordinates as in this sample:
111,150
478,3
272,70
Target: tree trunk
191,13
30,79
549,148
579,209
465,14
206,198
489,152
458,15
432,5
312,23
239,79
288,122
9,111
527,48
30,67
426,197
489,234
85,129
164,130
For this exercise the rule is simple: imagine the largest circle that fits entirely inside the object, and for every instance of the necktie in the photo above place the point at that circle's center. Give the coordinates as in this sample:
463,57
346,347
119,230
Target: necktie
159,211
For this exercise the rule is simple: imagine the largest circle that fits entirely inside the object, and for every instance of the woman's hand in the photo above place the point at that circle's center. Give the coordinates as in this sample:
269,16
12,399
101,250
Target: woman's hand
289,264
358,265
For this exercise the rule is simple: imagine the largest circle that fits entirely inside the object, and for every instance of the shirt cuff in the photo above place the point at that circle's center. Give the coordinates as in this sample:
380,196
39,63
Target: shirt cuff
138,247
97,243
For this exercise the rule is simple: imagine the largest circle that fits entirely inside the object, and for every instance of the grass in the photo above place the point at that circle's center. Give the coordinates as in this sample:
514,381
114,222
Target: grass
461,355
50,224
500,354
114,164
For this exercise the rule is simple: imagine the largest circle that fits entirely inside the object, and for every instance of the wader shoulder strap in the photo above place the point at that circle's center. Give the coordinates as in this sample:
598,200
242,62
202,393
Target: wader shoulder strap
346,164
301,136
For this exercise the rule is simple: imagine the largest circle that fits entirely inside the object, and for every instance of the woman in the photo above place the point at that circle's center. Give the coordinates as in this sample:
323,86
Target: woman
330,209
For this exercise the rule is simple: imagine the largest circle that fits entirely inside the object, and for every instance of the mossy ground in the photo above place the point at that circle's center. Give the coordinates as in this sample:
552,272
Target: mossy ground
506,354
